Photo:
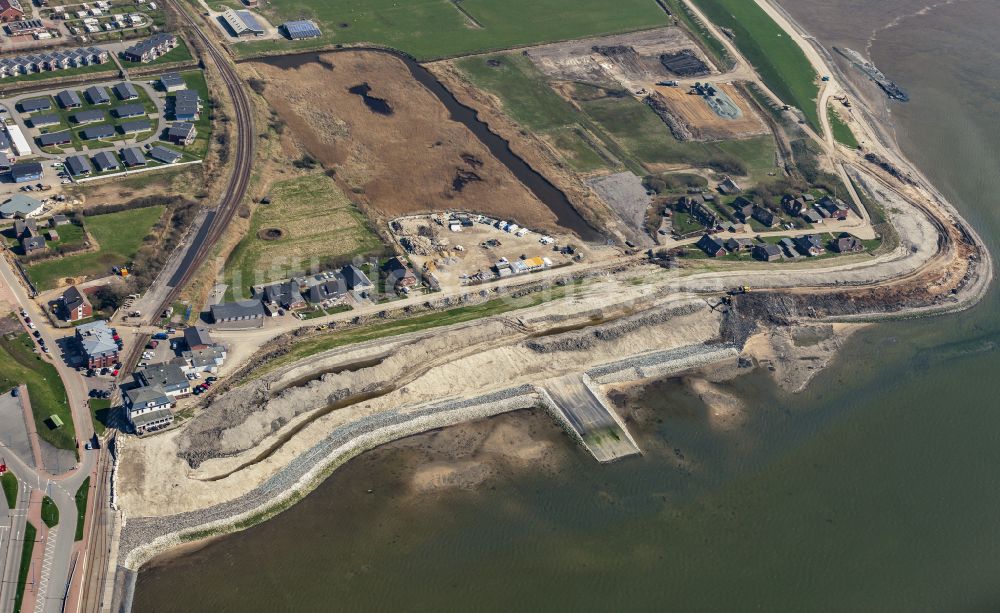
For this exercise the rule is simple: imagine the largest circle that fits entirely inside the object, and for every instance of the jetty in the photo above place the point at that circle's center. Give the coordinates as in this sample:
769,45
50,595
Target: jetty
583,410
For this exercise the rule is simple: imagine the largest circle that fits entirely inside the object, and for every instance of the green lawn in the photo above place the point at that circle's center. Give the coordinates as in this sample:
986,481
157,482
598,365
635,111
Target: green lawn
100,414
319,225
108,67
22,576
9,482
50,512
81,507
841,131
431,29
20,364
778,59
628,129
119,235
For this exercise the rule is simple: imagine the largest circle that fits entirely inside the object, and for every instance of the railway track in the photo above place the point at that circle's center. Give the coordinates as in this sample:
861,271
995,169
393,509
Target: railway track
191,260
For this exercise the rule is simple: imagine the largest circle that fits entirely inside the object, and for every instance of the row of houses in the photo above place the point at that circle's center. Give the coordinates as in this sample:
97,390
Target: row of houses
151,48
54,60
322,289
807,245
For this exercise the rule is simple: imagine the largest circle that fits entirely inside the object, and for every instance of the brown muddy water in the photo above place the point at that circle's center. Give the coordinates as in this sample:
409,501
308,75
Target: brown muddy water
876,489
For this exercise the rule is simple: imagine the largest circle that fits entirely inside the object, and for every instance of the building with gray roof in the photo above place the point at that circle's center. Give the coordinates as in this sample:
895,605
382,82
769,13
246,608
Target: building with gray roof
135,126
151,48
125,91
300,29
78,165
44,121
88,116
166,375
243,312
97,95
129,110
172,82
162,154
132,156
68,99
98,344
33,105
242,23
19,205
98,132
54,139
105,161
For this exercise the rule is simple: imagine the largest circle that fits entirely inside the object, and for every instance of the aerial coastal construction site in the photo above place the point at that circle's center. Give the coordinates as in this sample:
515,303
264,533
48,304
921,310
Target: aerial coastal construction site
375,243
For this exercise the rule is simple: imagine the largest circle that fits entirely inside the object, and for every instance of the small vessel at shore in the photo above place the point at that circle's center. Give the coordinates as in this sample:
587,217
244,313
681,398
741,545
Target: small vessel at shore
889,87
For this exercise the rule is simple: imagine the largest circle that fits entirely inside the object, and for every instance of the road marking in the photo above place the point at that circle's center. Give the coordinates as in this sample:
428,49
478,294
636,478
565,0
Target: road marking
43,582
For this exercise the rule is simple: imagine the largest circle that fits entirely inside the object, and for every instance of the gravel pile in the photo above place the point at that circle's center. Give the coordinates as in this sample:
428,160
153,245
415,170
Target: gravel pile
586,339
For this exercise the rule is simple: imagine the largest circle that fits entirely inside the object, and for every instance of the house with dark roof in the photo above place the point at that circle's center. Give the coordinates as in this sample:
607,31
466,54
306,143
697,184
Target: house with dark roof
97,343
327,291
729,187
68,99
97,95
197,337
23,172
766,252
242,312
398,274
834,207
125,91
734,245
44,121
171,82
166,375
809,244
88,116
25,228
162,154
743,209
58,220
129,110
135,126
32,244
132,156
811,216
73,305
33,105
285,295
182,133
765,217
78,166
847,244
151,48
55,139
105,161
711,245
98,132
355,280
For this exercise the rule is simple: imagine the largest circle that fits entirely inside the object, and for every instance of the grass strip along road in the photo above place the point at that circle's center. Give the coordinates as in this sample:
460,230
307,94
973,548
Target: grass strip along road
780,62
50,512
9,482
81,507
20,364
22,576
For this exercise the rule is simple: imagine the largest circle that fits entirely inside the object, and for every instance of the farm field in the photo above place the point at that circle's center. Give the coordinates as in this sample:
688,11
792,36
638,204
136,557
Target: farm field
20,364
779,61
309,222
433,29
119,236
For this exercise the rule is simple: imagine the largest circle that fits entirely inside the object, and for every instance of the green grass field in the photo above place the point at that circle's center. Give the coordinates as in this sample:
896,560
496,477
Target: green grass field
628,129
9,482
319,226
50,512
100,414
81,507
841,131
431,29
30,532
779,61
20,364
119,235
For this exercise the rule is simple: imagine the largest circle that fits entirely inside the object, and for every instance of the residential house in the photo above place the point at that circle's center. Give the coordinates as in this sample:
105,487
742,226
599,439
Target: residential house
743,209
55,139
355,280
398,274
25,228
10,10
132,156
197,337
809,244
104,130
765,217
58,220
73,305
125,91
33,105
162,154
811,216
766,252
711,245
33,244
136,126
182,133
209,359
88,116
78,165
833,206
125,111
729,187
285,295
44,121
97,95
20,206
172,82
734,245
847,244
151,48
105,161
243,312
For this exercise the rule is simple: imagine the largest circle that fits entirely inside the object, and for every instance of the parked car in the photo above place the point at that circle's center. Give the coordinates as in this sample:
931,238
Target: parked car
15,392
36,334
211,379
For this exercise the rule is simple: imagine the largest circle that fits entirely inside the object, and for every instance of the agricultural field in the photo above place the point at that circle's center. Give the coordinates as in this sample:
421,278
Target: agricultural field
309,222
432,29
21,363
119,236
780,62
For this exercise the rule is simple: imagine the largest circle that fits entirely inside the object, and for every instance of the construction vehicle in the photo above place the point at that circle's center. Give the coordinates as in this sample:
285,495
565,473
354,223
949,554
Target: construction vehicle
743,289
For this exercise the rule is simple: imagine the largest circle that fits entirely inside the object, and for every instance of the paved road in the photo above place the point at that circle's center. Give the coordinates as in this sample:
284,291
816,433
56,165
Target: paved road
61,488
11,542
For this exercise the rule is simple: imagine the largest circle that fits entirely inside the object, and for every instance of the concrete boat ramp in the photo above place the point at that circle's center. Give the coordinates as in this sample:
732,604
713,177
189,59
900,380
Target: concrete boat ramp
575,401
